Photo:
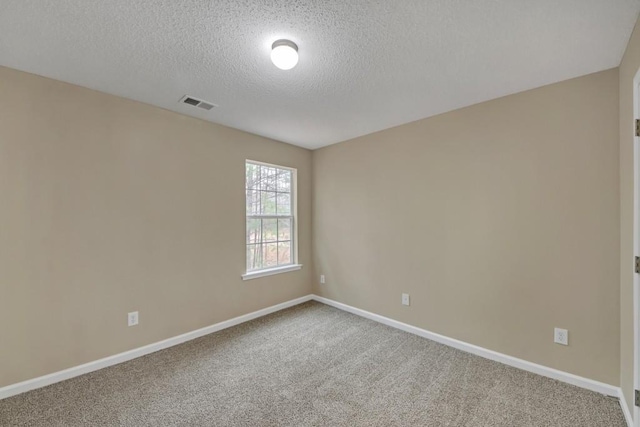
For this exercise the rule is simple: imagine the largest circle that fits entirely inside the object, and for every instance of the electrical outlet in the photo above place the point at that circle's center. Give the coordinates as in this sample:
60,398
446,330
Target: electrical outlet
561,336
405,299
322,279
132,318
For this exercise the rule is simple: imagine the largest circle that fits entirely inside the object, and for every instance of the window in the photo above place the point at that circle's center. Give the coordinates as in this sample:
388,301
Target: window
270,229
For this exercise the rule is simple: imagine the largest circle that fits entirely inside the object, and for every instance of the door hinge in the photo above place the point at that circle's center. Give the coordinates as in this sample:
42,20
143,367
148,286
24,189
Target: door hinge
637,127
637,268
637,397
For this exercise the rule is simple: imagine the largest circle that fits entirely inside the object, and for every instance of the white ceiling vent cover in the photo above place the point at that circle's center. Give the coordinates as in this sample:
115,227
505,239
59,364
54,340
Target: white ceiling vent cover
195,102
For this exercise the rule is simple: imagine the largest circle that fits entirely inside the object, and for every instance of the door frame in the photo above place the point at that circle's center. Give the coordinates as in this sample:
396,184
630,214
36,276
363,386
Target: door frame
636,248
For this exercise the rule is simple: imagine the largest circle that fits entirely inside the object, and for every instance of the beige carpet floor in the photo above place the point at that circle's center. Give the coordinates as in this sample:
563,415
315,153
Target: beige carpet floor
311,365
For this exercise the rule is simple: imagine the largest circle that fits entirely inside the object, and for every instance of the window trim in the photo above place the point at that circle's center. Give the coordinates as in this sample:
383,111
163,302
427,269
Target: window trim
269,271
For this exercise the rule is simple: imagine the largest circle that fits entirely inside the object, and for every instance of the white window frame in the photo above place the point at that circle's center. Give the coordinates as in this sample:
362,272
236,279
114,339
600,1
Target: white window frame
254,274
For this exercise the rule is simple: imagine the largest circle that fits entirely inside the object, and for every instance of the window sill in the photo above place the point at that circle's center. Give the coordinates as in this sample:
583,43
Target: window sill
271,271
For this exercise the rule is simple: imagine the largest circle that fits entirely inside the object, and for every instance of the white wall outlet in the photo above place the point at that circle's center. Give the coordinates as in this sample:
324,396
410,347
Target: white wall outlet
132,318
561,336
405,299
322,279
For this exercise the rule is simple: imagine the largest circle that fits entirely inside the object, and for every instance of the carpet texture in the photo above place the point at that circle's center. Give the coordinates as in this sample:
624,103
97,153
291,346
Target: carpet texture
311,365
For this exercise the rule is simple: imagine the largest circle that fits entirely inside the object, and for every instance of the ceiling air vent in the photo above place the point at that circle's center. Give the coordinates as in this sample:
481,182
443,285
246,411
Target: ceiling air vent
189,100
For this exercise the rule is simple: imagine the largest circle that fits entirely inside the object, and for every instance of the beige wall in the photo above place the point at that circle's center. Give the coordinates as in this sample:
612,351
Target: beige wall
110,206
501,221
628,68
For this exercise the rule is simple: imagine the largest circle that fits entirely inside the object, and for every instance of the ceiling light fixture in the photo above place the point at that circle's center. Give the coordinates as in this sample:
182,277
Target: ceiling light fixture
284,54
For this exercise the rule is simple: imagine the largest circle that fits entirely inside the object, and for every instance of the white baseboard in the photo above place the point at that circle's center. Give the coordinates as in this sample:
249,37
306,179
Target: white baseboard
566,377
66,374
625,408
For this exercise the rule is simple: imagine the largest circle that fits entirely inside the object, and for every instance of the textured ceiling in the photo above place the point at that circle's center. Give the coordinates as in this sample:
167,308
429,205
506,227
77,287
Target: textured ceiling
365,65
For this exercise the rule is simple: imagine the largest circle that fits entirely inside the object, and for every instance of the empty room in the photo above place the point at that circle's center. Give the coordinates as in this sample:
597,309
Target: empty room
320,213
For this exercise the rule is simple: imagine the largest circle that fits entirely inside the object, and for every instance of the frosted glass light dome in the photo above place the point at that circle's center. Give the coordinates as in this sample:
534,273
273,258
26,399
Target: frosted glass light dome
284,54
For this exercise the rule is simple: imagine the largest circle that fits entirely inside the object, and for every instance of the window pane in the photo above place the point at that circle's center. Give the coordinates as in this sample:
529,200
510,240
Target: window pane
252,176
284,253
268,200
284,229
269,178
269,230
284,181
270,255
284,203
254,257
269,194
254,230
253,202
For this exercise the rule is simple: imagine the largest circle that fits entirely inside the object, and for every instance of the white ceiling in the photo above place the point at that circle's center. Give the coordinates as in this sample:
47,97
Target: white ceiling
365,65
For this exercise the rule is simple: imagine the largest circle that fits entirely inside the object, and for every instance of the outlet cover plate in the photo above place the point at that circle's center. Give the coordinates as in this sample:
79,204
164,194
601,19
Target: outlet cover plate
132,318
405,299
561,336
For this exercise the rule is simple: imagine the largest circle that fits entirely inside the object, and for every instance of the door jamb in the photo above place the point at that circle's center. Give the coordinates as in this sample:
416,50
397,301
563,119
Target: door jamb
636,248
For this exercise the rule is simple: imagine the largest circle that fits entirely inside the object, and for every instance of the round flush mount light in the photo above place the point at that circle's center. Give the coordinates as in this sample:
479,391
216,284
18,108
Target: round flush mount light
284,54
